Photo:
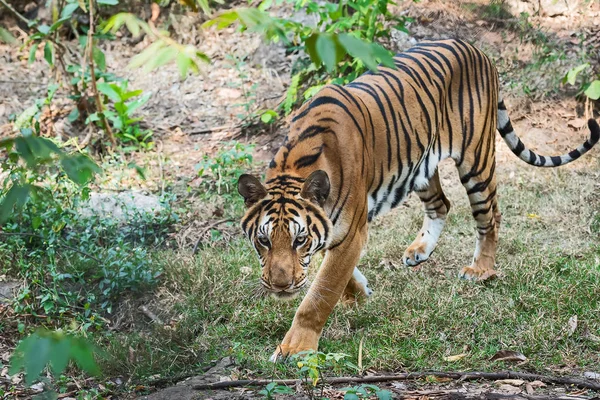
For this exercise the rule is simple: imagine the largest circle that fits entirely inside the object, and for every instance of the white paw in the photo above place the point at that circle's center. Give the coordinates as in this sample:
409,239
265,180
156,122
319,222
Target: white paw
275,357
361,279
414,259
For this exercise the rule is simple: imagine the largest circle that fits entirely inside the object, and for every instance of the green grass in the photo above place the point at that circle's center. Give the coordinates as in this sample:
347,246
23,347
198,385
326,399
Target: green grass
549,266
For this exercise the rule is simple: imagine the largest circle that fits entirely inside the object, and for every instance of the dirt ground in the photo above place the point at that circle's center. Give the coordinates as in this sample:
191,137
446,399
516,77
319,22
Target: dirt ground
194,117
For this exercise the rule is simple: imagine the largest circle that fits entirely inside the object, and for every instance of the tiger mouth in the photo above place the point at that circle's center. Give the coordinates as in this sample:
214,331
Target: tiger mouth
285,294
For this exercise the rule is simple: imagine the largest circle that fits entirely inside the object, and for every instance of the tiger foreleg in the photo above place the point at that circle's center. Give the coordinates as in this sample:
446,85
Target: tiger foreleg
329,284
436,207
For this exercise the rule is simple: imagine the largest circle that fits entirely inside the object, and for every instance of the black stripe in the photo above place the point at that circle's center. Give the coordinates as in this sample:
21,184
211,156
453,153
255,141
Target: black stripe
308,160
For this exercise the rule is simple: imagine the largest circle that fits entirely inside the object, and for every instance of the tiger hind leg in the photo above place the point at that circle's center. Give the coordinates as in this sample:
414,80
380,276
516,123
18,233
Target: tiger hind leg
480,184
436,207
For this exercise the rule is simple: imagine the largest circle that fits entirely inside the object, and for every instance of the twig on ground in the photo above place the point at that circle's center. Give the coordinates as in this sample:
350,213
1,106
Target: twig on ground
153,317
207,229
462,376
215,129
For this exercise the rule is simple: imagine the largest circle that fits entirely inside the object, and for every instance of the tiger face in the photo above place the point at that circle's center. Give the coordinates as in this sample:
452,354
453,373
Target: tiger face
286,224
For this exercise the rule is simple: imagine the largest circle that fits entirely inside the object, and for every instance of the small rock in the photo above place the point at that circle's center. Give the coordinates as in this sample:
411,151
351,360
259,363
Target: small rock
37,387
513,382
592,375
402,40
529,389
537,384
509,389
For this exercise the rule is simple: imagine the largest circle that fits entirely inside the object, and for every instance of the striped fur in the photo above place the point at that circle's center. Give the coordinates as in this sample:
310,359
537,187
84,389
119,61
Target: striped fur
356,151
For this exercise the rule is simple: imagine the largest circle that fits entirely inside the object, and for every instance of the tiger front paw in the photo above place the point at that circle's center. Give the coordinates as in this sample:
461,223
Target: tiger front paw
477,274
295,341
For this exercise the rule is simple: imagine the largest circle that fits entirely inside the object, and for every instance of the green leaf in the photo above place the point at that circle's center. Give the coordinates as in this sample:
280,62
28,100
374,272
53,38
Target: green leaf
268,116
164,56
49,53
109,90
59,354
36,222
310,44
108,2
69,10
15,198
32,51
327,50
83,353
311,91
132,94
184,63
142,58
359,49
383,395
133,25
79,168
99,58
44,29
571,76
593,91
351,396
73,115
134,105
37,358
6,36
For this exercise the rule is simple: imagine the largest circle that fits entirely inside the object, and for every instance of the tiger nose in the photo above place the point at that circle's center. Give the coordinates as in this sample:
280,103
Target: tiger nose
279,279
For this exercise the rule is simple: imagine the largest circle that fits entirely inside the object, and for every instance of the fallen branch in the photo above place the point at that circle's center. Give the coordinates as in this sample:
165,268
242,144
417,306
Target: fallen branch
215,129
207,229
461,376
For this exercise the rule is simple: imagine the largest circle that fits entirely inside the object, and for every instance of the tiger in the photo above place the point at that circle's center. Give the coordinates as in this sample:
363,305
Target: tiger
355,151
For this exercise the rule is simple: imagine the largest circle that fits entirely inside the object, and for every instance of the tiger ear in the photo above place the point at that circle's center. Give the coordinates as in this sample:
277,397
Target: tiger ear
251,189
316,187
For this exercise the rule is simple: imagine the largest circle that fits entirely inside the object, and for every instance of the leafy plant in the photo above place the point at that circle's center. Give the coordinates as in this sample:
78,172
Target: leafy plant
221,172
341,46
589,86
51,348
365,391
163,49
126,127
273,389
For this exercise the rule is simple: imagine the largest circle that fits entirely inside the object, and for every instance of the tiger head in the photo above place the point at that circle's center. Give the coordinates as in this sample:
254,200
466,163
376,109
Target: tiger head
287,225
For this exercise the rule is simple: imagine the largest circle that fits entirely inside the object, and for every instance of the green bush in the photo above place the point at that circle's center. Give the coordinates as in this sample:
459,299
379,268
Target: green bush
341,46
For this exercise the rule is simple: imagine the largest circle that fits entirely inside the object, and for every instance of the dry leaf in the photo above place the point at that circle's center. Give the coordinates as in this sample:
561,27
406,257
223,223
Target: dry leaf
572,325
577,123
510,389
537,384
508,355
455,358
433,378
529,389
513,382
